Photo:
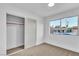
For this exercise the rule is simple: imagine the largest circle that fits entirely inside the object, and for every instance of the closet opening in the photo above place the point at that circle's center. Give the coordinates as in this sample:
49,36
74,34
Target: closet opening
15,33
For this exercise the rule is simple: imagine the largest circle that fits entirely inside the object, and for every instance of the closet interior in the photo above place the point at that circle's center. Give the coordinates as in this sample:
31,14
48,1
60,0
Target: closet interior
15,33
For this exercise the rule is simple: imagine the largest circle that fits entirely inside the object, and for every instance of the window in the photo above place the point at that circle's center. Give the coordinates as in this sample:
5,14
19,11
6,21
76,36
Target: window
65,26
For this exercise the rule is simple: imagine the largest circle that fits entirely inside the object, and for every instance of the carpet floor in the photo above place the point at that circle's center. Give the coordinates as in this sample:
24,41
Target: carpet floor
45,50
14,49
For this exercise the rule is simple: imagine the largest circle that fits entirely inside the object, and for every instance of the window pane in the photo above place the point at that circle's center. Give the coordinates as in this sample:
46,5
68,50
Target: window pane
54,26
72,25
63,22
55,23
73,21
63,26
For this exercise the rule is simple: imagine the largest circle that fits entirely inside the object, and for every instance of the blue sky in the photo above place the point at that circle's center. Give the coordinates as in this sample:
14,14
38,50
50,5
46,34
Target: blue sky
72,21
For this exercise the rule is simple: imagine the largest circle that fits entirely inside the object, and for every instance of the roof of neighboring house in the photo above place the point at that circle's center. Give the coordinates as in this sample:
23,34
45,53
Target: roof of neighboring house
75,27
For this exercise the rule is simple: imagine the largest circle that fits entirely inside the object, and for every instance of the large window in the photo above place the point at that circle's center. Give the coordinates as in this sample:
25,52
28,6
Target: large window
65,26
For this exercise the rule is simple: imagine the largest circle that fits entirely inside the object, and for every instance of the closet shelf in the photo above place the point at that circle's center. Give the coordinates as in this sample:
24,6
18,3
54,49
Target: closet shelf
16,23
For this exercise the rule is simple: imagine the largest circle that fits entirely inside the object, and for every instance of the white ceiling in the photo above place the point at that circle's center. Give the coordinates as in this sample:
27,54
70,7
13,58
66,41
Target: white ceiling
42,9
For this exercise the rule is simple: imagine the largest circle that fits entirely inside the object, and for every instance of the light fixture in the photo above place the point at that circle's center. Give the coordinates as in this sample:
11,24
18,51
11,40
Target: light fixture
50,4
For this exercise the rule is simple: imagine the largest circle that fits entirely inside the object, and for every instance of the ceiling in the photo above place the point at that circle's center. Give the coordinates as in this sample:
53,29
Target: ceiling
42,9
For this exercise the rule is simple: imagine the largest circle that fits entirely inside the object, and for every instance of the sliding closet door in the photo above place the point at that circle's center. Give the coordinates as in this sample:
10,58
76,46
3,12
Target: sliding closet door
15,31
32,32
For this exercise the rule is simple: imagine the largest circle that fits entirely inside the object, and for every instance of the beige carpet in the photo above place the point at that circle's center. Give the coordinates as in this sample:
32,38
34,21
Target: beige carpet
45,50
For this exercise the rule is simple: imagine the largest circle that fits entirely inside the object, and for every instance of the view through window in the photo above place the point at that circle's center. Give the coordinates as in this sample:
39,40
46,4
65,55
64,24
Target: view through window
65,26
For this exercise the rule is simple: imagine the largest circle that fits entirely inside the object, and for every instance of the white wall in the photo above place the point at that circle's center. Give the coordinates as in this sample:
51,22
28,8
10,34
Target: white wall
64,41
40,32
16,12
2,32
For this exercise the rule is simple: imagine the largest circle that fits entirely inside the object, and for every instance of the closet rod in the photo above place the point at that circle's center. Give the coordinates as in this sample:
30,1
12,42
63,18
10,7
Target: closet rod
15,23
